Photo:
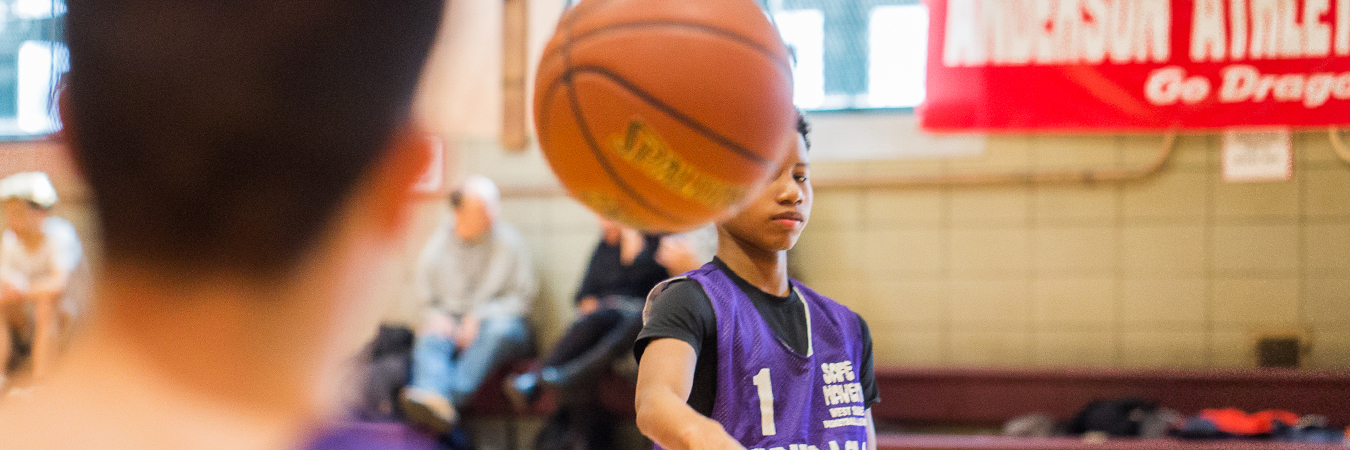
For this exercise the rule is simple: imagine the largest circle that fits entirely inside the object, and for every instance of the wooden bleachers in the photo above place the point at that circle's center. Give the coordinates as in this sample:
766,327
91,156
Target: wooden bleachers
986,398
953,442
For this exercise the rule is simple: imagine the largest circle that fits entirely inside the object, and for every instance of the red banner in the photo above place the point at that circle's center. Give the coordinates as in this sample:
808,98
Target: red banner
1076,65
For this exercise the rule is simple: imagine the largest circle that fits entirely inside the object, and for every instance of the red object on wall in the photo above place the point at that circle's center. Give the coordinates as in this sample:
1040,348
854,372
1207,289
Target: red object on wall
1142,65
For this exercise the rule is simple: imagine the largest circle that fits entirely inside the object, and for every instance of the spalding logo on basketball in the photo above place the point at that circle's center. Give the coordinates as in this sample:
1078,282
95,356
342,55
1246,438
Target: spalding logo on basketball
664,114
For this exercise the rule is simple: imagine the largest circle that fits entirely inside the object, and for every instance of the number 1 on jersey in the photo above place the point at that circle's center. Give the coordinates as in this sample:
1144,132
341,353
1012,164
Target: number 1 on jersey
765,386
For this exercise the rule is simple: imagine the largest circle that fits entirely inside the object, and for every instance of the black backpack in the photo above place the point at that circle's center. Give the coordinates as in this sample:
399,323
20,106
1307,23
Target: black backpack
1116,417
391,340
386,372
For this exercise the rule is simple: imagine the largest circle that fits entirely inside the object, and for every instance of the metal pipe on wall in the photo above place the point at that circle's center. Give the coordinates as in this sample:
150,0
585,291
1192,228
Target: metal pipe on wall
1334,134
1085,176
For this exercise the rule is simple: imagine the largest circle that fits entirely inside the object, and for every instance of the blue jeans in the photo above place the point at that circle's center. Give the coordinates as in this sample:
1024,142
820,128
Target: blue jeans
438,367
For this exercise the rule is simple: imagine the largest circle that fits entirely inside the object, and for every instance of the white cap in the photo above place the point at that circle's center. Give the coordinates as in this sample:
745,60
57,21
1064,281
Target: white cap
485,190
34,187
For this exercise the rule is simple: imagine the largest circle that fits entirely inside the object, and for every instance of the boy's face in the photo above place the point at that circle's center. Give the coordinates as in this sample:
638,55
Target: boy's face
774,220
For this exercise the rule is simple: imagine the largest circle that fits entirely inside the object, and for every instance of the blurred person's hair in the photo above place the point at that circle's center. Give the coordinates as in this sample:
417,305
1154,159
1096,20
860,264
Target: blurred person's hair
482,188
224,135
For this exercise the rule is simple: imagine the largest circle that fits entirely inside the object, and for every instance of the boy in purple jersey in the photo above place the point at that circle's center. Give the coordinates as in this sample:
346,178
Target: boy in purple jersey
735,355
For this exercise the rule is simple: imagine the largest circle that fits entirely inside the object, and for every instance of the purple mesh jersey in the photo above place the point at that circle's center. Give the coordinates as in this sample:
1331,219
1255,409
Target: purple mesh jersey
771,398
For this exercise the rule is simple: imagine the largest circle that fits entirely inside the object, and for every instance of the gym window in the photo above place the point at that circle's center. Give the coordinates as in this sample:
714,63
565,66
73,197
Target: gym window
33,57
855,54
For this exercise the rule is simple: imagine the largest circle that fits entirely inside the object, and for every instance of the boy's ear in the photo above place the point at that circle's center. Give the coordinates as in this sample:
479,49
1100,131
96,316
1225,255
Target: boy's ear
392,181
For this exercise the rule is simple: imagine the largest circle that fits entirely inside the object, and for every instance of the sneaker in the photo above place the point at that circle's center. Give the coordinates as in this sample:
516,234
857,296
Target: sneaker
428,410
522,390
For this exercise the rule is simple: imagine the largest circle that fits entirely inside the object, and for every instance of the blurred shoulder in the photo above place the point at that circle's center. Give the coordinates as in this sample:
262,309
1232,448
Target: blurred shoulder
507,234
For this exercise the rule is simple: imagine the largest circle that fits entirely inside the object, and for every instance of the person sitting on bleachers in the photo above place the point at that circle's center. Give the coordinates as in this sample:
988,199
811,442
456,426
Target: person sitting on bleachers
476,279
624,267
38,254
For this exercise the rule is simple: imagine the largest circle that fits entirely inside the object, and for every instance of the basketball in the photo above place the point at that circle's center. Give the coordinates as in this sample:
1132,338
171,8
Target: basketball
664,114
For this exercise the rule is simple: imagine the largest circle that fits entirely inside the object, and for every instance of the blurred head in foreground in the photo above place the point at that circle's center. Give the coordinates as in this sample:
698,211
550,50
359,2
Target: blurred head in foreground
251,165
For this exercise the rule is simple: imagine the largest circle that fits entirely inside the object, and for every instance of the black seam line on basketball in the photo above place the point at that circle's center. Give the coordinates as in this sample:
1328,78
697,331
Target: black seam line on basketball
544,113
604,162
767,52
672,112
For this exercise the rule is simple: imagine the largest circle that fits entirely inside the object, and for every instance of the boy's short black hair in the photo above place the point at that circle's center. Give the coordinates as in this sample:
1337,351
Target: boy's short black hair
225,134
804,129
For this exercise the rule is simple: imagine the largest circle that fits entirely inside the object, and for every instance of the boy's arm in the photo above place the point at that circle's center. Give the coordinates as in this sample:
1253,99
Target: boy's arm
665,378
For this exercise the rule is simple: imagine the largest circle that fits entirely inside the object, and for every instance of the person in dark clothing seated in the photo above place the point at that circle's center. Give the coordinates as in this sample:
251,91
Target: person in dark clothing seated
625,266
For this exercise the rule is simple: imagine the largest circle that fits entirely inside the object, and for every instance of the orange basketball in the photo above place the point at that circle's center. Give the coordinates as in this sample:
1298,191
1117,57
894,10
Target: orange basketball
664,114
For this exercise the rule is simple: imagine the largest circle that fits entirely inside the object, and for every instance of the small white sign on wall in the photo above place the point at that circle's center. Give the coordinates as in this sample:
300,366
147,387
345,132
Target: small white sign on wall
1251,156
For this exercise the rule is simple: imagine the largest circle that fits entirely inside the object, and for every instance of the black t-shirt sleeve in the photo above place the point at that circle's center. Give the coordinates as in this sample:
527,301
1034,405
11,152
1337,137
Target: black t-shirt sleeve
871,395
682,311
